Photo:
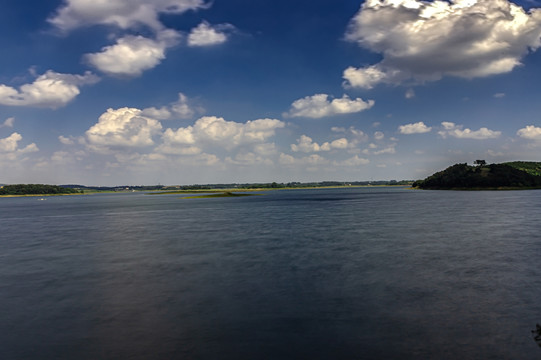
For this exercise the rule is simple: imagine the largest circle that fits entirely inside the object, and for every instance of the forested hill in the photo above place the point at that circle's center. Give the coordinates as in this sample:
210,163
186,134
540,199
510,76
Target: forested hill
512,175
35,189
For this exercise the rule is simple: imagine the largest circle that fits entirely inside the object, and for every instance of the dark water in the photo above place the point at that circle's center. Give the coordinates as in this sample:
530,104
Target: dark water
383,273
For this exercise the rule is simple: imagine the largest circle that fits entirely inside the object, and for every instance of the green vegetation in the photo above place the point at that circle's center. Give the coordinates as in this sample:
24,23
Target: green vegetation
532,168
36,189
516,175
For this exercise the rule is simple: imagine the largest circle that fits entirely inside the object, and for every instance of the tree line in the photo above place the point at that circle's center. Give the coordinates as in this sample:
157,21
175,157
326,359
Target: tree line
36,189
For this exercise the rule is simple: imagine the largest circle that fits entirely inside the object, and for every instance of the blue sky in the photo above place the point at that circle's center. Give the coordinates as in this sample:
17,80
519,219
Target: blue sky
191,91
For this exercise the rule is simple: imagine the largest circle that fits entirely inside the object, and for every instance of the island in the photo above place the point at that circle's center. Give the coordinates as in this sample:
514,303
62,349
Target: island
35,190
481,176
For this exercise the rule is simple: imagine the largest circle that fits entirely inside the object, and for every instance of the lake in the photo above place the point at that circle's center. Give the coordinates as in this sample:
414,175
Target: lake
353,273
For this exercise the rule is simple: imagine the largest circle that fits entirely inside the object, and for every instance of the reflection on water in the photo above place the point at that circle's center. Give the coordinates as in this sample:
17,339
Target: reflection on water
346,273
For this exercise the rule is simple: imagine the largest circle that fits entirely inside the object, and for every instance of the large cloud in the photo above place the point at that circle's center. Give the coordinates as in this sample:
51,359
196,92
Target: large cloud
50,90
530,132
132,55
124,14
124,127
318,106
457,131
215,131
424,41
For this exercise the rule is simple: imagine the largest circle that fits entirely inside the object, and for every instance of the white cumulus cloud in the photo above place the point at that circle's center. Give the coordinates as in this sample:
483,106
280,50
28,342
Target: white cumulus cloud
530,132
458,131
318,106
124,127
10,145
65,140
132,55
416,128
50,90
306,144
124,14
207,35
424,41
216,131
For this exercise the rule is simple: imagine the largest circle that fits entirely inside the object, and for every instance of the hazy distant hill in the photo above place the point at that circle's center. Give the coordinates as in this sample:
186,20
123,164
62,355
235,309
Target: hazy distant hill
512,175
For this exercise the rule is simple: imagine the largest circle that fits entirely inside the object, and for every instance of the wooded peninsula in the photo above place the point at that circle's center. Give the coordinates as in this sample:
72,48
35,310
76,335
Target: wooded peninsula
505,176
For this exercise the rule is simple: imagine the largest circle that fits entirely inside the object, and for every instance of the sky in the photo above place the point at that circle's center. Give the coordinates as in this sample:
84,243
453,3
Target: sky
144,92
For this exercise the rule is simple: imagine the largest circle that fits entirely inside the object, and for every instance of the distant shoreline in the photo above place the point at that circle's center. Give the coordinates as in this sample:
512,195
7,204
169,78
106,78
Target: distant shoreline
205,191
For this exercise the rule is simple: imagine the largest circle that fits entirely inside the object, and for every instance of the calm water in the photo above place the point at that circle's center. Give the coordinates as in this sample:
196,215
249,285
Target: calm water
384,273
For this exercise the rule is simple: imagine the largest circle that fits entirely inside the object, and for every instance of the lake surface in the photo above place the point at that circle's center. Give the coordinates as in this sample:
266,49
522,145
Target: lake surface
360,273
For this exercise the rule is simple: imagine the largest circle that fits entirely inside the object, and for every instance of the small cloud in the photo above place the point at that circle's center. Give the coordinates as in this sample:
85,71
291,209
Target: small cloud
66,141
8,123
416,128
248,159
388,150
410,94
378,135
357,133
353,161
286,159
495,153
180,109
318,106
499,95
338,129
457,131
341,143
305,144
207,35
